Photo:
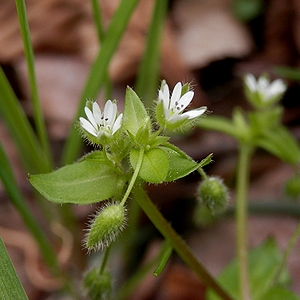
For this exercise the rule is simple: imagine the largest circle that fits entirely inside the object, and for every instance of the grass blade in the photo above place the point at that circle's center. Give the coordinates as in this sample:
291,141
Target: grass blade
29,148
148,76
18,201
38,114
98,72
10,285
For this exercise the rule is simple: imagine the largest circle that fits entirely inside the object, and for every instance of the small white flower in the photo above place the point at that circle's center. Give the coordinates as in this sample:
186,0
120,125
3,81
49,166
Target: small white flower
98,123
267,92
174,106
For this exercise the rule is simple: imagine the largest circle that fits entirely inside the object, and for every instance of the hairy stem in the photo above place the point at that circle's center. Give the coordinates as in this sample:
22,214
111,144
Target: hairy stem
242,219
176,241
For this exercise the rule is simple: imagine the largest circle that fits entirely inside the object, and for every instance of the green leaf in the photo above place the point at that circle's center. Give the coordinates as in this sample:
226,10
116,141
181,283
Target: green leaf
263,265
10,285
281,143
90,180
135,113
180,164
279,293
218,123
288,72
154,168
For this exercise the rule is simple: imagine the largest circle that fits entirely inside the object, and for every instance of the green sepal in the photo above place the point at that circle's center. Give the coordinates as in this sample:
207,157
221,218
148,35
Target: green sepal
159,140
135,113
180,164
160,114
154,168
142,136
90,180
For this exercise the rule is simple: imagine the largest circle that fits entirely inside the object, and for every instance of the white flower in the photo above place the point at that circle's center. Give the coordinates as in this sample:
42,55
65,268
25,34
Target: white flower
267,92
174,106
98,123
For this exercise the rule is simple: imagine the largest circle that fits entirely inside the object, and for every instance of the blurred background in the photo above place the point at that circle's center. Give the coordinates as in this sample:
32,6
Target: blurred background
210,43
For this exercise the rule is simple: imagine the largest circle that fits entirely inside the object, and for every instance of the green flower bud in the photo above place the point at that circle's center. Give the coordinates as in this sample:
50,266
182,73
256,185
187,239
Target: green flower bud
107,224
292,187
213,193
97,286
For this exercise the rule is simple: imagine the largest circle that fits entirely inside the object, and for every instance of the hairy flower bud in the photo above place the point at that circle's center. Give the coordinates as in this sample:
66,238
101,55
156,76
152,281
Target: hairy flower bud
107,224
97,286
213,193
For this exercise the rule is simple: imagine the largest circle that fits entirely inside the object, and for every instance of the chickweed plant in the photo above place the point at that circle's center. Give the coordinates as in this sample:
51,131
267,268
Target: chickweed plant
132,149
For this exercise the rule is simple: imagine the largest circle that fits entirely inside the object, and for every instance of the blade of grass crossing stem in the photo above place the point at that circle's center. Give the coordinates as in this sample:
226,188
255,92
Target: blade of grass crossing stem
165,255
99,69
29,148
101,34
177,242
28,50
96,9
18,201
148,76
10,285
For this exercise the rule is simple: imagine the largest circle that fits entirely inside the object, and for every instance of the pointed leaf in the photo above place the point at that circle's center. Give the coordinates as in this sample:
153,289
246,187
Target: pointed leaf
90,180
135,113
180,164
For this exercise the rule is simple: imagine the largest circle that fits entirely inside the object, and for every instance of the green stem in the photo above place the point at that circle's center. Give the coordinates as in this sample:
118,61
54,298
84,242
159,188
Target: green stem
242,218
134,176
38,114
177,242
104,260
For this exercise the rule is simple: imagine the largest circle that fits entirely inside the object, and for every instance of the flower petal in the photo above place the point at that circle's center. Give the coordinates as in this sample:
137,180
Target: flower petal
97,113
176,94
195,113
250,82
86,125
110,111
184,101
117,124
90,116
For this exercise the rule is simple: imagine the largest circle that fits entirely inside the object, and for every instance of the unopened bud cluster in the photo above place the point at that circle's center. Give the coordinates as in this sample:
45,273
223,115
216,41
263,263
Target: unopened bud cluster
97,286
213,193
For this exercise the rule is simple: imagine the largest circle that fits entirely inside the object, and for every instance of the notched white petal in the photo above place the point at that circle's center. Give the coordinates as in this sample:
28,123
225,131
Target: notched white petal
176,94
90,116
86,125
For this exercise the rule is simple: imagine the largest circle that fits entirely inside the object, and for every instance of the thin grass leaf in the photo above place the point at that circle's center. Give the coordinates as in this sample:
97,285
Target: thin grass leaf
18,201
96,9
29,56
148,76
10,285
98,72
29,148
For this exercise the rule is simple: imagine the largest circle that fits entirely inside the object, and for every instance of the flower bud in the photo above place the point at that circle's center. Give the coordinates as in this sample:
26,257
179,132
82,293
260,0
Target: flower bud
292,187
97,286
213,193
107,224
